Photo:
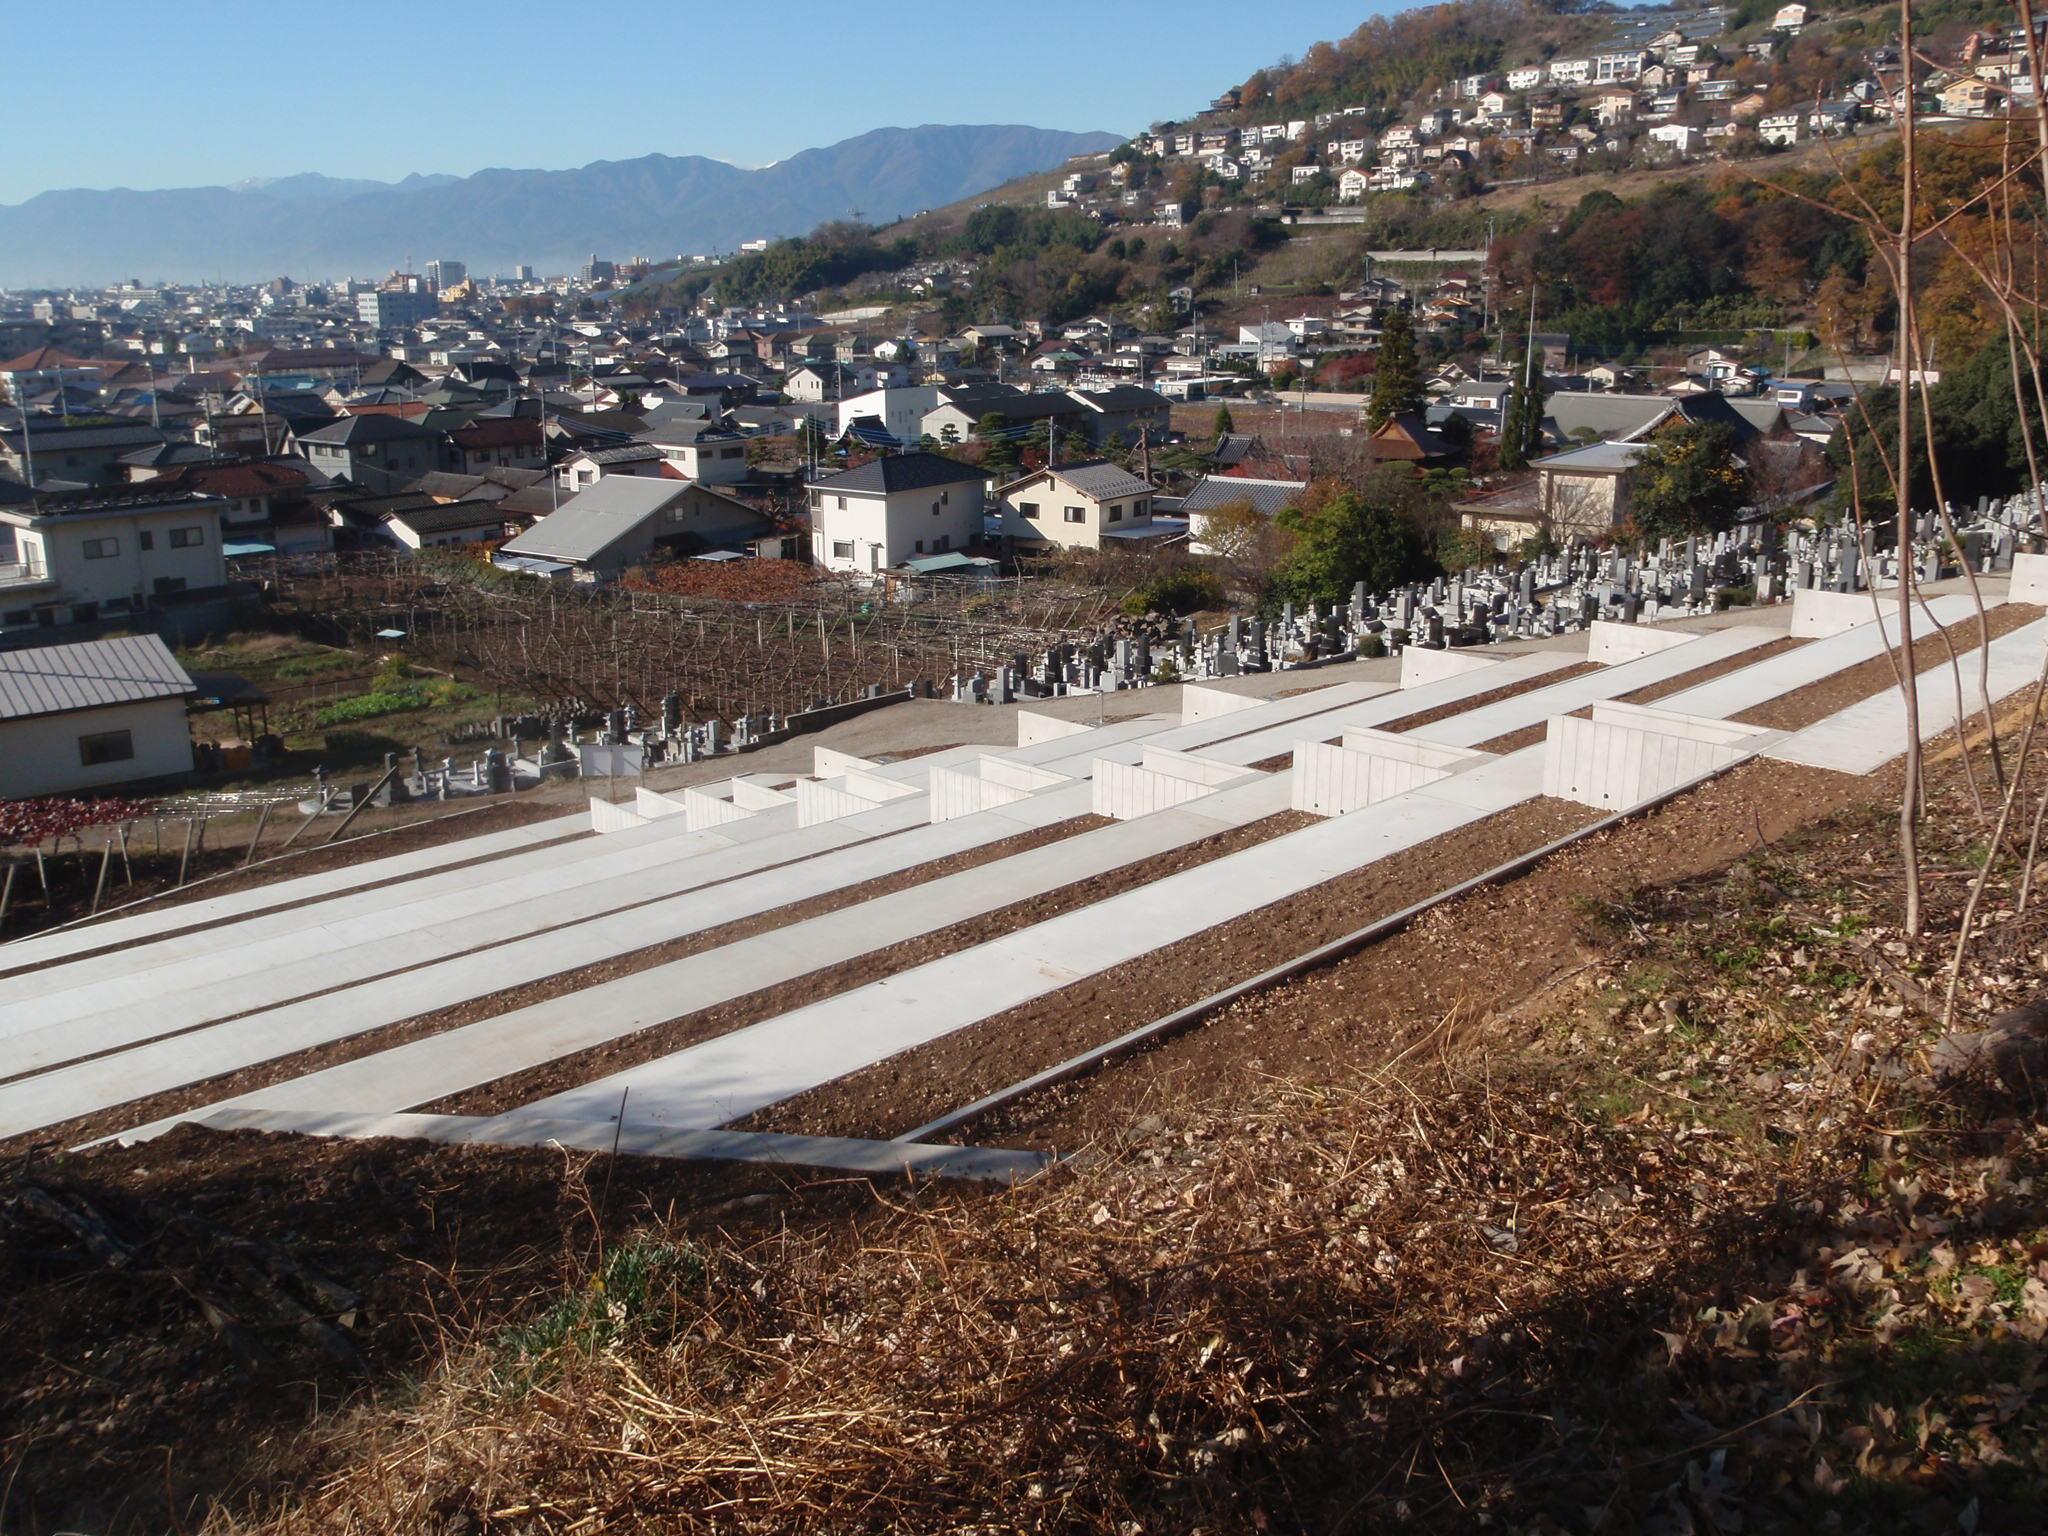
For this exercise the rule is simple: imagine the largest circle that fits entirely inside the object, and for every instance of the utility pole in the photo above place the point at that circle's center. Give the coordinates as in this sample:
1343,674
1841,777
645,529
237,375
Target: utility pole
28,452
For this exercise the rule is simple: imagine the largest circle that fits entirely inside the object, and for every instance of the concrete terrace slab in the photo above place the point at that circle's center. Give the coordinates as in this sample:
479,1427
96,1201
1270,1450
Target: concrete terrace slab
1864,737
478,1053
384,930
724,1079
837,1154
597,873
41,949
1533,708
1375,711
1810,663
451,972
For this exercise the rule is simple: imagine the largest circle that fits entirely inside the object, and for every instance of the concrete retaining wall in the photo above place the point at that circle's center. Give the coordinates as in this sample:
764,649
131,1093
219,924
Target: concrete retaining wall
1032,728
1609,643
1331,781
1199,703
1419,665
1613,766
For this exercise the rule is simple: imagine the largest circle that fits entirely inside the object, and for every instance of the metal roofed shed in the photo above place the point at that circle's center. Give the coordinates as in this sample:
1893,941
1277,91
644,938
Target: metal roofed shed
92,715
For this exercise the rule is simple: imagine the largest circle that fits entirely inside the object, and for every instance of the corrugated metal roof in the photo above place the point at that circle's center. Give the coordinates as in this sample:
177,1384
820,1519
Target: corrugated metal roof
594,519
53,679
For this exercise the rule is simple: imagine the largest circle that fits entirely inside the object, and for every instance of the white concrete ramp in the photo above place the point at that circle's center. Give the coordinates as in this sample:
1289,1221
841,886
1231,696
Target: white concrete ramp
724,1079
43,948
1864,737
473,1054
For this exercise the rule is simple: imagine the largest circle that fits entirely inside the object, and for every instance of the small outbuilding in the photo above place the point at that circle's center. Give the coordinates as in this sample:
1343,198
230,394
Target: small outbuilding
91,716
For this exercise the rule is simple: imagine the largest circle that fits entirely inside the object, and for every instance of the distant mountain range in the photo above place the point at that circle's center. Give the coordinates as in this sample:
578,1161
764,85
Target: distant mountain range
313,226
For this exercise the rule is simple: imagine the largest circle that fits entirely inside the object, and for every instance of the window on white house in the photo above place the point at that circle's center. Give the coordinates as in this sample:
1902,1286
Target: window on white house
1116,513
145,539
187,538
920,546
842,549
1076,515
105,747
941,544
1029,509
102,549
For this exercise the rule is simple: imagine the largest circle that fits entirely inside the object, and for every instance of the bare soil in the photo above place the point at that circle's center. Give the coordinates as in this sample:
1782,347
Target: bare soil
896,1095
125,1402
1802,707
1465,960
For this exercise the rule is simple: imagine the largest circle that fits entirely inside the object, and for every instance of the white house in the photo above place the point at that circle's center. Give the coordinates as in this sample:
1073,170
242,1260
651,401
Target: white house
454,522
710,458
1680,138
1526,78
1079,506
894,509
1351,186
91,716
1790,19
1570,71
1780,128
901,412
82,557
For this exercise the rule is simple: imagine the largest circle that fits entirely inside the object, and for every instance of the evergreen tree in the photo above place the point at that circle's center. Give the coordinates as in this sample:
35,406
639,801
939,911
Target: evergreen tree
1688,480
993,429
1521,427
1397,385
1350,536
1224,424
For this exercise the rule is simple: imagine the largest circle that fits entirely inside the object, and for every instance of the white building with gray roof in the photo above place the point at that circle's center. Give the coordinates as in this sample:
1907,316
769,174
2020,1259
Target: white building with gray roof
91,716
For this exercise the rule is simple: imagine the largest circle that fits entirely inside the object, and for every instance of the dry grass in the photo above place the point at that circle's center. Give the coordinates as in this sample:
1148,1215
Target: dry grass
1688,1239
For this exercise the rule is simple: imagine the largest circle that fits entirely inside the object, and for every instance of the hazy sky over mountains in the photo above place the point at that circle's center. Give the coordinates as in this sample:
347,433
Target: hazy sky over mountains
148,95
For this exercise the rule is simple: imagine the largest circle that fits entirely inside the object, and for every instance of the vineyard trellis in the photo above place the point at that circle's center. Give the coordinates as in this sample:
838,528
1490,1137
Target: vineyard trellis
605,647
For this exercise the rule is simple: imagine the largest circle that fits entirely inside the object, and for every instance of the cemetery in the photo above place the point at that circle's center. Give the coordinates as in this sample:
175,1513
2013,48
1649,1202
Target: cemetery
696,971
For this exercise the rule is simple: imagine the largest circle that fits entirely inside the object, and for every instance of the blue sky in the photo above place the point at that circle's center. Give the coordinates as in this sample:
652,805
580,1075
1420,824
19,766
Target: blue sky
147,95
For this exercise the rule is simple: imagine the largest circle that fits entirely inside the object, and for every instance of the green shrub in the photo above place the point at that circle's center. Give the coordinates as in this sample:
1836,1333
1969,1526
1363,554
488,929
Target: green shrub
1183,589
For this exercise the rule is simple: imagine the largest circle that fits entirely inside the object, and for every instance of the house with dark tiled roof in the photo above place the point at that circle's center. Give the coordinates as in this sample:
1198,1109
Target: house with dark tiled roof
89,453
1214,494
379,453
502,442
894,509
444,523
